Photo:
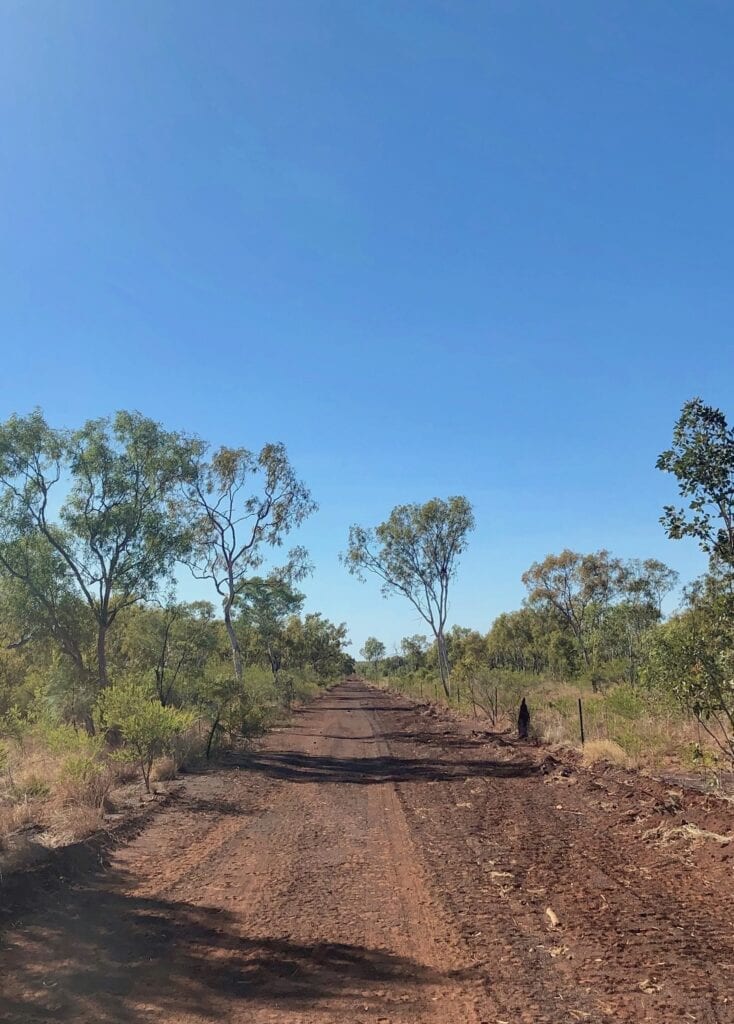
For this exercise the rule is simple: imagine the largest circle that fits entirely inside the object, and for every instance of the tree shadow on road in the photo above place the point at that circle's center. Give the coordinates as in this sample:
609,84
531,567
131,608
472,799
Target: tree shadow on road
298,767
97,953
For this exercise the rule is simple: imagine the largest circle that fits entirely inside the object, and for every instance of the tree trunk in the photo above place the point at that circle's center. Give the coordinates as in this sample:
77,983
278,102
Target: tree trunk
102,655
236,649
210,739
443,662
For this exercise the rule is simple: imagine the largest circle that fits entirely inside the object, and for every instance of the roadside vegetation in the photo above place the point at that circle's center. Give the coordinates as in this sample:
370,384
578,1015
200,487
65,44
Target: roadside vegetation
653,690
107,678
110,683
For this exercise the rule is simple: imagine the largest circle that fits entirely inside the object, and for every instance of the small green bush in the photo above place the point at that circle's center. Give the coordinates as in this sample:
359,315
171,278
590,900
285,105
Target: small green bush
84,780
627,702
31,787
148,729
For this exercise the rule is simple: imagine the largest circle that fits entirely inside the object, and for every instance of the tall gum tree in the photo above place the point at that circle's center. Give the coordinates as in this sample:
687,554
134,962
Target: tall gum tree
238,504
99,500
264,607
579,588
702,460
415,553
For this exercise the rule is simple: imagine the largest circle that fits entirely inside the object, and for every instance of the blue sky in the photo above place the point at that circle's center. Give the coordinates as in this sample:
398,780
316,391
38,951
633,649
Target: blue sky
434,247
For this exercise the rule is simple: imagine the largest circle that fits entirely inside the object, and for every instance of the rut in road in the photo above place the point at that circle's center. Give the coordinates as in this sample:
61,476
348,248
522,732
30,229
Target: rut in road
287,891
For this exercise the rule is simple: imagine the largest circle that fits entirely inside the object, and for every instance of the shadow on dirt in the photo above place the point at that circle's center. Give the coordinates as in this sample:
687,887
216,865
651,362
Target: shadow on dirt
133,959
435,739
217,806
365,771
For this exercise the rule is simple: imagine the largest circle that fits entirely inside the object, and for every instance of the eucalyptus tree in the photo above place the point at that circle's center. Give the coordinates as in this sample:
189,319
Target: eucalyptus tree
414,649
373,652
702,459
40,603
321,645
172,642
265,605
692,657
415,553
578,588
238,504
89,511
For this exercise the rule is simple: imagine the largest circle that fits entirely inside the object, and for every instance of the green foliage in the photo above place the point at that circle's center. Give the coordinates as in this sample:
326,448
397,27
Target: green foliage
169,645
627,701
64,740
148,729
316,645
691,657
13,726
31,787
414,650
238,504
702,460
373,651
415,554
84,779
576,588
115,535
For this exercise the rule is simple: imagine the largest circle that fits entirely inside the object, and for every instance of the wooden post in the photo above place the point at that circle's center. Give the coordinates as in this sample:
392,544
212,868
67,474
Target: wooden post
435,687
421,686
581,722
473,702
496,707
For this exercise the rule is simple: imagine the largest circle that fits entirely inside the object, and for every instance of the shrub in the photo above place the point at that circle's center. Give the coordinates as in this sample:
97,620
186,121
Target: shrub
31,787
84,781
627,702
148,729
5,762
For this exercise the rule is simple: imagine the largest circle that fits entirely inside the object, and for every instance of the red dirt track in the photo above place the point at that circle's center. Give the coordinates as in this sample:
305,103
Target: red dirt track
377,862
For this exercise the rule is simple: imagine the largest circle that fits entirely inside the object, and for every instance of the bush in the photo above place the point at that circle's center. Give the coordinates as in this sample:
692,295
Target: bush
84,780
627,702
31,787
148,729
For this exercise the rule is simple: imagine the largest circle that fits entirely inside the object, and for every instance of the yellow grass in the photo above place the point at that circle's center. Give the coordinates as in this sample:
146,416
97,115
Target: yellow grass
605,750
633,726
163,770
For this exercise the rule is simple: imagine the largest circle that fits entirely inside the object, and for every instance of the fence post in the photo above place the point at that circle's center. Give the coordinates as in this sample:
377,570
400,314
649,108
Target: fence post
581,722
496,707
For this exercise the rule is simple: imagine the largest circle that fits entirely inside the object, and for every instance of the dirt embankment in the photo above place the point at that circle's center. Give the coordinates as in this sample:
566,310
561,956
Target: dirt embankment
374,862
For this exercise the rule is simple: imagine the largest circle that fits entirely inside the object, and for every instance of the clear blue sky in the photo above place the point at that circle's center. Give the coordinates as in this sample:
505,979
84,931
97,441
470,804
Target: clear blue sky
435,247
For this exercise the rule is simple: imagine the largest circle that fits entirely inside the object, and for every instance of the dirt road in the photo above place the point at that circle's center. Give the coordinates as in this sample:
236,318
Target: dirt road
375,862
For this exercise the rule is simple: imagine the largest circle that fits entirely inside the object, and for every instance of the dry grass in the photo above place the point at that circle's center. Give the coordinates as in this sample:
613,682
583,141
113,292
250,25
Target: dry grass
649,732
60,792
70,824
125,772
15,816
84,788
61,784
164,770
688,831
605,750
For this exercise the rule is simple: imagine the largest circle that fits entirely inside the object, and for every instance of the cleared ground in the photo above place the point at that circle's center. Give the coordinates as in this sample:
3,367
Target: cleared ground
378,862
